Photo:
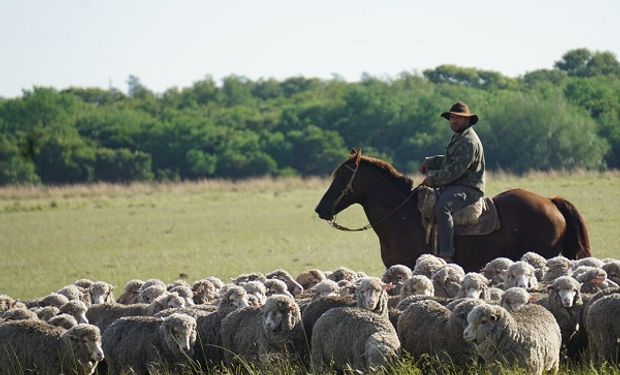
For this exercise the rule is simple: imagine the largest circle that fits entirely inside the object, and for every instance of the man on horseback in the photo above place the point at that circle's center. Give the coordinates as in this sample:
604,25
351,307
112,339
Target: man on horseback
458,176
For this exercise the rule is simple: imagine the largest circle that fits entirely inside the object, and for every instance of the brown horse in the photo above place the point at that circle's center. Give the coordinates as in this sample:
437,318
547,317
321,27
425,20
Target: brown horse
529,222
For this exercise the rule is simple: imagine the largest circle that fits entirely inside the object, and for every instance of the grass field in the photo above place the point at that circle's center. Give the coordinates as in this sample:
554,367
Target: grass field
50,237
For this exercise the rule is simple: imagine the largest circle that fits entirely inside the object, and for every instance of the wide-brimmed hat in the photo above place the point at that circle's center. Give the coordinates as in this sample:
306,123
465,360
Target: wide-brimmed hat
461,109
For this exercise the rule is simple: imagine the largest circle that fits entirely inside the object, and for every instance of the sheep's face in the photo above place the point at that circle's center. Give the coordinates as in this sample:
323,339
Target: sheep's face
567,296
151,293
100,293
481,322
94,348
522,275
272,320
183,333
324,289
238,300
514,298
88,339
369,295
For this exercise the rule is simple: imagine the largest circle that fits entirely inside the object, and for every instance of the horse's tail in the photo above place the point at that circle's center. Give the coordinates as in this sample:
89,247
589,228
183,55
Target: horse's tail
576,240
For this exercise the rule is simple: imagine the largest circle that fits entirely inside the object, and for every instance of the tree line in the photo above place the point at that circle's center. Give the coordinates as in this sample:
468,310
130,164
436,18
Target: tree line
567,117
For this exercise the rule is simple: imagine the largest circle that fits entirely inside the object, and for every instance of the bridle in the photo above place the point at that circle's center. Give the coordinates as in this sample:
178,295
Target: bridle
349,189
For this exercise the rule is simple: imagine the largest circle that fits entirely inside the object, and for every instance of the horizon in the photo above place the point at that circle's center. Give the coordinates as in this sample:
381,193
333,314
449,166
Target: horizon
167,45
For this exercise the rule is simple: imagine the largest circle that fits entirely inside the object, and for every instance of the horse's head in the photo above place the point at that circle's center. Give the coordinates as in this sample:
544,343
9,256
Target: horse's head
342,192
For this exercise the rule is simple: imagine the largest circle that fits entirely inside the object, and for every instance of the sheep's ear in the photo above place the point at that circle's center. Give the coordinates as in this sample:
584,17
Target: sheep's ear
353,152
389,286
493,318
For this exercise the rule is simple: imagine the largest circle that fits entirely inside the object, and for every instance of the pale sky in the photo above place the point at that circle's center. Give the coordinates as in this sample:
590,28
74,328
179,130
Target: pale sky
167,43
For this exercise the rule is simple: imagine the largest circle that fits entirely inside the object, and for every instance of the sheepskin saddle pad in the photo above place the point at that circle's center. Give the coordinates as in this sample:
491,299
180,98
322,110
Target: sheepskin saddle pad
477,219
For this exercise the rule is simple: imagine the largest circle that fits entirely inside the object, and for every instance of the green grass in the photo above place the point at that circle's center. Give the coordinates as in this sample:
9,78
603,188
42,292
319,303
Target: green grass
50,237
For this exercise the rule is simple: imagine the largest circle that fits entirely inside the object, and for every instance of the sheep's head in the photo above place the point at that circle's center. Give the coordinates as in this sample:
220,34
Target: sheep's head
130,294
371,293
234,297
417,285
535,259
151,293
281,313
474,286
565,290
427,264
325,288
181,329
203,291
613,270
276,286
77,309
86,338
514,297
596,277
100,292
293,286
6,303
482,322
462,309
310,278
523,275
343,273
497,269
396,274
168,301
447,280
560,264
257,289
244,278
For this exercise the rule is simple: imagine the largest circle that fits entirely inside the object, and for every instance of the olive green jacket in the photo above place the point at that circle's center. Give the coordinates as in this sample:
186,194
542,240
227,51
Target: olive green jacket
463,163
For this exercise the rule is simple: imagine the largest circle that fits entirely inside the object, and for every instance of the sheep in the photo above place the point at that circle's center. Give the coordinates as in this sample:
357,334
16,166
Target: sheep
151,282
101,292
244,278
427,327
427,264
6,303
447,280
310,278
148,294
53,299
343,273
29,345
184,292
83,283
257,290
613,270
595,280
204,291
538,262
361,338
603,329
325,289
47,312
496,270
417,285
556,267
396,274
144,344
130,293
347,288
521,274
276,286
475,286
77,309
294,288
275,331
209,346
588,262
515,297
217,283
74,292
313,311
528,337
194,311
495,294
176,283
564,302
18,314
63,320
405,302
104,314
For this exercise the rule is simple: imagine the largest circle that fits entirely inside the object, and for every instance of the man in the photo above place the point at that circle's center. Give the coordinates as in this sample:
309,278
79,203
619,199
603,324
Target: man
458,175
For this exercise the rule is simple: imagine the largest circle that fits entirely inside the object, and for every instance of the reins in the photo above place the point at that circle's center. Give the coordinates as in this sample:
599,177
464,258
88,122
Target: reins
347,190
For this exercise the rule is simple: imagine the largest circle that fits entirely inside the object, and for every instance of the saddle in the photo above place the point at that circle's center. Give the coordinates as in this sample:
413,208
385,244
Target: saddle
477,219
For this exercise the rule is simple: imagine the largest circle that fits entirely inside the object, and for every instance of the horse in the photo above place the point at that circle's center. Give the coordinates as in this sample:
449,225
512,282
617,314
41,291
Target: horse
529,222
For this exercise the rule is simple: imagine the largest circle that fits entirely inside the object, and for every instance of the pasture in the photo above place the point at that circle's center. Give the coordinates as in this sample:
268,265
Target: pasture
51,236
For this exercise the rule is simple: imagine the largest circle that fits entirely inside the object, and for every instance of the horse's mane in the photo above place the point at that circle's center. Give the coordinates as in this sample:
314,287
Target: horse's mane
388,169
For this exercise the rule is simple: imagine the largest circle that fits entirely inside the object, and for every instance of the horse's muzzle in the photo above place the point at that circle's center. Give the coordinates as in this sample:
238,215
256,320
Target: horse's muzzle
324,214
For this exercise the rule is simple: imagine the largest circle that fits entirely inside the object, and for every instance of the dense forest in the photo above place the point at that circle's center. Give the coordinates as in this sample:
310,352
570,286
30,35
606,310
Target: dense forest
567,117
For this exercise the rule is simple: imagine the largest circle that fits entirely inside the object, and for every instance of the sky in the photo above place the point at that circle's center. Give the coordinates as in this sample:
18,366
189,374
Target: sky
173,43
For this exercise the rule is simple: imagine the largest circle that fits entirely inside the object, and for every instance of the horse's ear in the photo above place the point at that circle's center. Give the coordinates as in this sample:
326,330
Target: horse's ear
357,155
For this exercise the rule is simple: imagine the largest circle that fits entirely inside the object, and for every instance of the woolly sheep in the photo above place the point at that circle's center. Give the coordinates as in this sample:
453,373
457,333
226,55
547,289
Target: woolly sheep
603,329
495,294
144,344
343,273
515,297
528,337
396,274
104,314
130,293
209,346
6,303
447,280
521,274
244,278
47,312
294,288
217,283
256,289
177,283
148,294
427,327
538,262
29,345
361,338
405,302
564,302
313,311
63,320
588,262
475,286
595,280
325,289
73,292
310,278
276,286
101,292
53,299
496,270
18,314
613,270
347,288
204,291
417,285
76,309
427,264
556,267
184,292
83,283
275,331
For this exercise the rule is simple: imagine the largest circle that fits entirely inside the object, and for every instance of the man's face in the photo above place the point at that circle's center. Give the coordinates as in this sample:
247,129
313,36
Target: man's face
458,123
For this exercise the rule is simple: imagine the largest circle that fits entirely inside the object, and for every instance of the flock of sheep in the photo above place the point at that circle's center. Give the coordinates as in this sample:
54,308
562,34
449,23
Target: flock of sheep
533,313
